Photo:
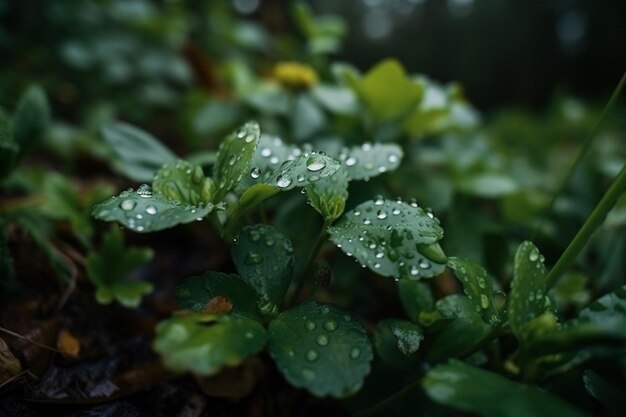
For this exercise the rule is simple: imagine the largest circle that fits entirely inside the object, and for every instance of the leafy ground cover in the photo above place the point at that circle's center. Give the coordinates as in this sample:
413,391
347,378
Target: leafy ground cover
199,216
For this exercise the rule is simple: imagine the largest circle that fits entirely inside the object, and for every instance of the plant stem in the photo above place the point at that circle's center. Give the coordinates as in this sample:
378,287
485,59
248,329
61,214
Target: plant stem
591,224
321,238
581,154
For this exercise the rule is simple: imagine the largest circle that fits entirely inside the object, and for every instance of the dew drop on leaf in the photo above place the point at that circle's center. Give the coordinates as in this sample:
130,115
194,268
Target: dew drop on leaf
355,352
255,172
315,164
151,210
322,340
128,205
312,355
330,325
310,325
253,259
283,181
351,161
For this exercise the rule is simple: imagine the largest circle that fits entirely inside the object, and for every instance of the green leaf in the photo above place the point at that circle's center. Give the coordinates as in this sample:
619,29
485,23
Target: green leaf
321,348
463,330
397,341
144,211
204,343
370,160
303,170
477,286
416,298
264,259
609,394
109,267
195,293
184,182
308,118
489,185
387,91
388,237
527,300
234,157
31,119
472,390
328,196
140,153
609,305
9,149
336,99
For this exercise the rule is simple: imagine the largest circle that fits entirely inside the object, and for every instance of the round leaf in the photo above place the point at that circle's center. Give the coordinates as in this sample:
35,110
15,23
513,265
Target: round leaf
196,293
477,286
397,341
144,211
388,237
303,170
264,259
204,343
321,348
184,182
370,160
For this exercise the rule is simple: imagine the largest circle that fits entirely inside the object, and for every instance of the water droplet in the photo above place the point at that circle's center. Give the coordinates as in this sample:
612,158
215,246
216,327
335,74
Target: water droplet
253,258
381,214
376,265
269,242
249,138
301,178
351,161
241,133
367,221
312,355
283,181
315,163
139,216
249,335
380,255
128,205
266,152
151,210
379,201
533,256
255,172
355,352
308,374
372,245
322,340
330,325
414,271
484,301
254,236
310,325
144,191
424,264
274,160
392,158
357,213
396,211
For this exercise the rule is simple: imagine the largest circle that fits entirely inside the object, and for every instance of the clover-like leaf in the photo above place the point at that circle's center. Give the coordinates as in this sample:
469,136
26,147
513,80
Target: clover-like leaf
321,348
464,328
303,170
527,300
184,182
31,119
234,158
370,160
109,267
417,299
477,286
204,343
387,91
199,292
392,238
264,259
144,211
140,153
472,390
328,196
397,341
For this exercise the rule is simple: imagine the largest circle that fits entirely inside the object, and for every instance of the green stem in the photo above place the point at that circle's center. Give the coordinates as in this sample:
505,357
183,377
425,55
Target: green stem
581,154
591,224
321,238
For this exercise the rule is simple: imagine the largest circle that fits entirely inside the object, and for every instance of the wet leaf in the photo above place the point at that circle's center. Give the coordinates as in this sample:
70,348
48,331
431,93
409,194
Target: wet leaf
109,267
264,259
307,168
31,119
464,328
140,153
387,91
204,343
144,211
397,341
527,299
183,182
477,286
328,196
234,158
392,238
196,293
321,348
416,298
473,390
370,160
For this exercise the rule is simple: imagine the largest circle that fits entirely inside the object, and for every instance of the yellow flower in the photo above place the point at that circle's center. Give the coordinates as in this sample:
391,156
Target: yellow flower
295,75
